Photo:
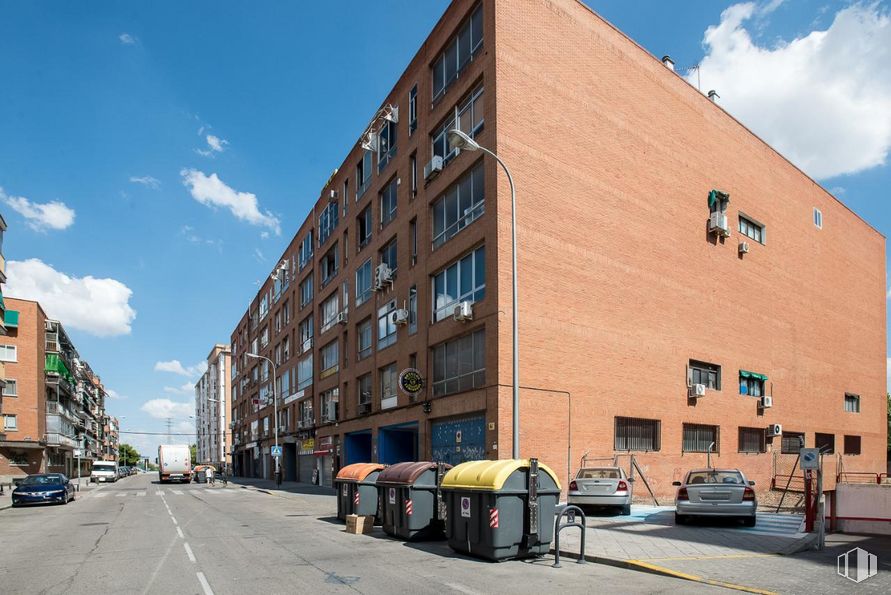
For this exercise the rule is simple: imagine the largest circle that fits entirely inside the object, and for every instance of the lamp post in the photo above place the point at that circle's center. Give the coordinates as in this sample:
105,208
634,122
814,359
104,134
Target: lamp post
278,469
460,140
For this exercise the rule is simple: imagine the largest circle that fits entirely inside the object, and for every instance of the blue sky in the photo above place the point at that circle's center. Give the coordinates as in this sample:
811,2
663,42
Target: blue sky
115,117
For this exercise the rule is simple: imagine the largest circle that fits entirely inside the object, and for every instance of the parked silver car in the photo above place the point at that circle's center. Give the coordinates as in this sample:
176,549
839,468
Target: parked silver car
601,486
715,493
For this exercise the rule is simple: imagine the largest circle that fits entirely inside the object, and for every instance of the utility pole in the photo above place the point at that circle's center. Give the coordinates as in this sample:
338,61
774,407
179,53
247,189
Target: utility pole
169,424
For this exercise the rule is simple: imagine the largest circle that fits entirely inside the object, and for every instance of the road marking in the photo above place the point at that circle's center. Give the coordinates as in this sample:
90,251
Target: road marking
140,493
121,495
461,588
692,577
160,492
177,492
173,518
204,584
189,552
180,533
101,494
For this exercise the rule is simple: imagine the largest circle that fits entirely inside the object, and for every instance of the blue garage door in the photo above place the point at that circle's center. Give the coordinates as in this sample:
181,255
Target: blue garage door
457,440
397,444
358,447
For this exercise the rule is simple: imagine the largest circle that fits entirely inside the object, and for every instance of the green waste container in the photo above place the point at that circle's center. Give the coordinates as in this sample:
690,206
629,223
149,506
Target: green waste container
356,490
411,504
500,510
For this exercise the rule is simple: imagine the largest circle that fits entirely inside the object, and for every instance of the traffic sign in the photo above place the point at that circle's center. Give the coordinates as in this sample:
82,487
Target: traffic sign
810,458
78,452
276,451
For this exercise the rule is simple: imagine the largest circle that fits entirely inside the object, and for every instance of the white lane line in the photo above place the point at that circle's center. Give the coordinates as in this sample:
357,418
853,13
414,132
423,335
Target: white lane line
101,494
189,553
160,493
180,533
177,492
140,493
204,584
121,495
173,518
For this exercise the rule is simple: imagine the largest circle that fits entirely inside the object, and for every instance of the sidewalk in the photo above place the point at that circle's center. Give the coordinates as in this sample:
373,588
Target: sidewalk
318,498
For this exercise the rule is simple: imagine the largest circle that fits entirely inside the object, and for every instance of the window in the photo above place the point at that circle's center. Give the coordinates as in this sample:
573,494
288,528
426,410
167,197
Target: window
467,117
266,426
306,291
363,283
328,311
637,434
852,445
388,254
364,389
792,442
461,205
747,227
463,280
386,144
364,227
413,173
11,388
718,201
751,440
304,372
388,202
818,218
328,221
458,52
286,349
329,400
10,422
460,364
363,175
751,384
304,333
305,414
328,266
413,238
825,442
346,196
703,373
264,337
412,110
700,438
264,307
285,383
387,376
330,359
286,312
363,332
386,329
852,403
412,310
306,250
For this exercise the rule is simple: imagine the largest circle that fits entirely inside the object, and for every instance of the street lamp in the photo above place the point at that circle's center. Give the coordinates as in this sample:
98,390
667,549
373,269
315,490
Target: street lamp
460,140
278,470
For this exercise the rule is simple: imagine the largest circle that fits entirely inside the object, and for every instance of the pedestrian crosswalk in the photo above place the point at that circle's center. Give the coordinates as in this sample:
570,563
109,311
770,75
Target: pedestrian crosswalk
160,492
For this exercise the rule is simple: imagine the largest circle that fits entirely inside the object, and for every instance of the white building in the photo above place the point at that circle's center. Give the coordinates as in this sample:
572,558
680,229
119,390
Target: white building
213,394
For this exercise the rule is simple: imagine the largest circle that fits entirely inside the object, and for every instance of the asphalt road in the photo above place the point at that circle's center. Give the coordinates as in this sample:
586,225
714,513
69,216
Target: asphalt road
136,536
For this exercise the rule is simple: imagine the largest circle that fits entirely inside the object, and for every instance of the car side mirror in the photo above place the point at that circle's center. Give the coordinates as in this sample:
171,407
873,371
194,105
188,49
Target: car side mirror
751,483
676,483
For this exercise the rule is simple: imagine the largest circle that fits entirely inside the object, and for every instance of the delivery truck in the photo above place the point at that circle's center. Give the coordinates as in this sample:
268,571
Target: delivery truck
174,463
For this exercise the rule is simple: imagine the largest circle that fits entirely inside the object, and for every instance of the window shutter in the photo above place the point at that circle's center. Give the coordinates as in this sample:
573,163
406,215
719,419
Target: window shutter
689,377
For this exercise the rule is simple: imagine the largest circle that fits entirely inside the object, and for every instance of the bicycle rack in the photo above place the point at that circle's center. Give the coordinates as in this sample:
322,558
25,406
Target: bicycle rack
570,512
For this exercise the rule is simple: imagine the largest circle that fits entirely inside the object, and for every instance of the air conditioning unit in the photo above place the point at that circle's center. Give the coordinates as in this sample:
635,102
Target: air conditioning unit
463,311
399,317
364,408
432,169
766,402
697,390
774,430
342,317
717,223
743,247
383,274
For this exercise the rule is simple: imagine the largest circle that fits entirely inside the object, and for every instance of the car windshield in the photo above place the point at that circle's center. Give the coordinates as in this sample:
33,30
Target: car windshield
103,467
721,477
608,473
41,480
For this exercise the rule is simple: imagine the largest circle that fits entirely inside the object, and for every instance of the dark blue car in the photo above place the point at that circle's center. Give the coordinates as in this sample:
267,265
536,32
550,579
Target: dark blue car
43,488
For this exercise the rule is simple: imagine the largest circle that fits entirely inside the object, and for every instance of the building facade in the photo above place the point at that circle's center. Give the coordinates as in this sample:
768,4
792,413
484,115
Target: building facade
2,317
683,288
213,396
54,413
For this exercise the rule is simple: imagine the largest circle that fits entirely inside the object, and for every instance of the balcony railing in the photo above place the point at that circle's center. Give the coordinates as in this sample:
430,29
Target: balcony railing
54,439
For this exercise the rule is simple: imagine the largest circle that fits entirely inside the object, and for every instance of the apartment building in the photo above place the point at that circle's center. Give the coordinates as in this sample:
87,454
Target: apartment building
683,288
54,404
212,400
2,315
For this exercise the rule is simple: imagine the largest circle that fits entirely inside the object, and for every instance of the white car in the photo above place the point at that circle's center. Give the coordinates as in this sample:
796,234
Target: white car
715,493
601,486
104,471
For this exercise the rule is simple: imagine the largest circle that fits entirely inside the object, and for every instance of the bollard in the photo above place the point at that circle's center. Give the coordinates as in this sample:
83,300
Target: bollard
569,512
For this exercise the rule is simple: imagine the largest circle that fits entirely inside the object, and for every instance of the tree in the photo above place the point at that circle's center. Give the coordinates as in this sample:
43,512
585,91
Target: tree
127,455
193,449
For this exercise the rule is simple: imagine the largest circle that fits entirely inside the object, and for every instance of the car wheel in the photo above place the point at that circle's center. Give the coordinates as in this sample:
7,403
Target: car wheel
680,519
626,510
750,521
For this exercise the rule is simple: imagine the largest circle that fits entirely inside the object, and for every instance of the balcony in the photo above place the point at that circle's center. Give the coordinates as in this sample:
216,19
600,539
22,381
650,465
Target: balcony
55,439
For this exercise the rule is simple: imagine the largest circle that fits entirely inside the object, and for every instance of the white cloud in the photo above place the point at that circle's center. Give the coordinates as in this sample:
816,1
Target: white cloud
215,144
175,367
114,395
149,181
100,307
40,216
127,39
164,408
186,389
188,232
823,100
212,191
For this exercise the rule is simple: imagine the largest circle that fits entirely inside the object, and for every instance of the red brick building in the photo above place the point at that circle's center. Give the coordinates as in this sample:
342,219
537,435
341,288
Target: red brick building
637,282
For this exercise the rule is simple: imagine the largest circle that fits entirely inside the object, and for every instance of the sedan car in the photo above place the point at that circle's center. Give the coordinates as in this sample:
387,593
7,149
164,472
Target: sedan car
715,493
601,486
43,488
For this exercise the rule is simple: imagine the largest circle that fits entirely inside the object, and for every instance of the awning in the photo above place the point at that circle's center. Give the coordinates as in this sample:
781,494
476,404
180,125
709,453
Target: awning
55,365
716,195
11,319
756,376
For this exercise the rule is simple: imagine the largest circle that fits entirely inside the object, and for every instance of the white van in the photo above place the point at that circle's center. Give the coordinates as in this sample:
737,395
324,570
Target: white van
104,471
174,463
